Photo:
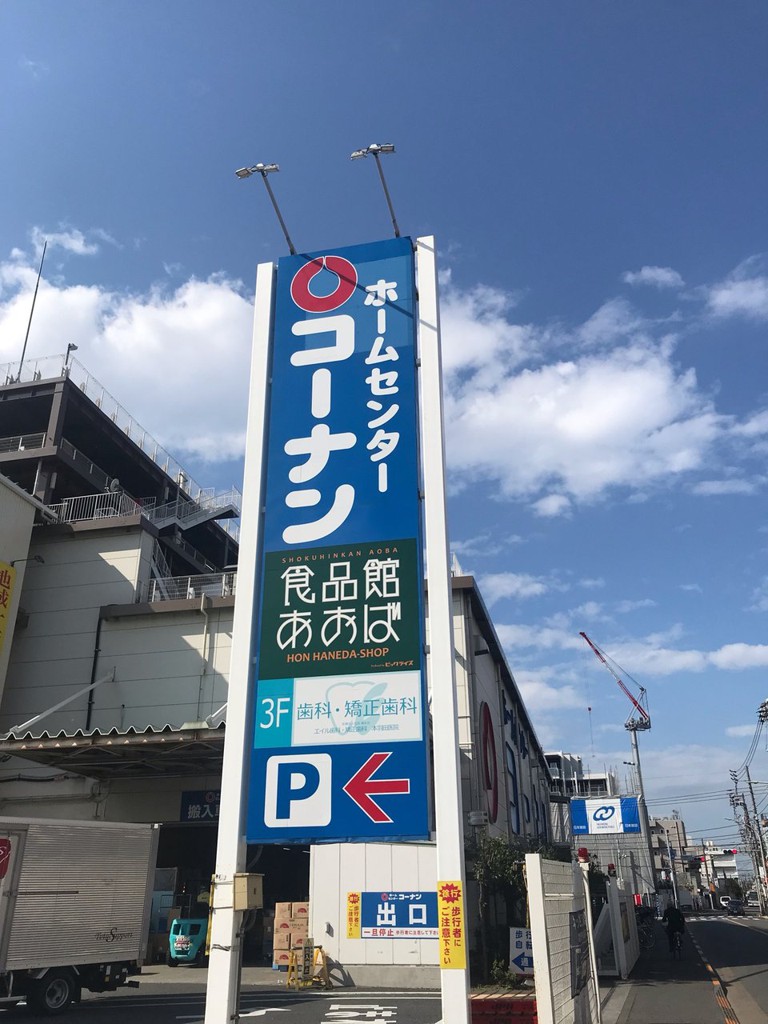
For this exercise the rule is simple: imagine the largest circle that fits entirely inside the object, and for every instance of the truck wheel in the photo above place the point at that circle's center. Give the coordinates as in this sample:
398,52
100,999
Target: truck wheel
171,961
52,994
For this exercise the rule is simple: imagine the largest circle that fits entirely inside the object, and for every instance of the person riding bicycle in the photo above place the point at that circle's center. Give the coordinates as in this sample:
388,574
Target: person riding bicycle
675,922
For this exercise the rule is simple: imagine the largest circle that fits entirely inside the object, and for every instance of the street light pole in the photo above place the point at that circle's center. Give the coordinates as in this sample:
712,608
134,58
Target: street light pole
760,848
264,170
32,311
375,150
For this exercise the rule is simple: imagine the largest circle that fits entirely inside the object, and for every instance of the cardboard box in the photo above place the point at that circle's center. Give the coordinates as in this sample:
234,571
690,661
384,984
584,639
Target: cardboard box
300,910
280,957
282,924
299,924
283,911
282,940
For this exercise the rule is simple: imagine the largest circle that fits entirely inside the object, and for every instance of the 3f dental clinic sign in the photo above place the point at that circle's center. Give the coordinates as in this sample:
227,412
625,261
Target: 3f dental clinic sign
339,747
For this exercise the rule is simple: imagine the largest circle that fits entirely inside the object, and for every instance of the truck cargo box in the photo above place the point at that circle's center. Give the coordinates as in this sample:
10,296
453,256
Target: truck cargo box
74,892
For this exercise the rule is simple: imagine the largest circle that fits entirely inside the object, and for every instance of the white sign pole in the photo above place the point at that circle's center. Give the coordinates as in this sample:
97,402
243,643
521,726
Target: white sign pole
226,937
440,658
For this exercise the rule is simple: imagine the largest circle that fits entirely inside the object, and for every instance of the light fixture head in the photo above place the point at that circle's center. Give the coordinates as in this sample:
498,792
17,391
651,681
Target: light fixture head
375,148
32,558
246,172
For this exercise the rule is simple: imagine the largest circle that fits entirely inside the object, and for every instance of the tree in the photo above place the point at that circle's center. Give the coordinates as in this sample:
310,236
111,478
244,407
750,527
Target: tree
497,865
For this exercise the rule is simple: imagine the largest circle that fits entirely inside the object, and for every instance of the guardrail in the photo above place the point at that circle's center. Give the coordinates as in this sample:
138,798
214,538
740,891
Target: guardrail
179,588
95,506
21,442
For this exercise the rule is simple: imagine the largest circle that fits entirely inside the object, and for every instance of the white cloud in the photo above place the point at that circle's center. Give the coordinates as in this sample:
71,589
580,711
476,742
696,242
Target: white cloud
692,588
552,505
760,597
484,545
197,335
36,68
740,730
71,240
657,277
496,586
648,657
578,428
742,293
624,607
754,426
613,321
714,487
540,696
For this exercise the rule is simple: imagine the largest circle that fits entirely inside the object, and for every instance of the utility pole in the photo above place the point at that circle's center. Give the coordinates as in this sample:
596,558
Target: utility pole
671,868
760,849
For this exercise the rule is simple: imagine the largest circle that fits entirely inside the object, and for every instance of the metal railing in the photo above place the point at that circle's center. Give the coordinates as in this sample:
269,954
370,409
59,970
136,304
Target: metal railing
179,588
183,508
95,506
21,442
96,473
159,560
190,550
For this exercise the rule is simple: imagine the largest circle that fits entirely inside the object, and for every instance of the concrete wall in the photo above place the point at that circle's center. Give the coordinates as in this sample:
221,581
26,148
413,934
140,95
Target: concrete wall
52,657
171,667
337,869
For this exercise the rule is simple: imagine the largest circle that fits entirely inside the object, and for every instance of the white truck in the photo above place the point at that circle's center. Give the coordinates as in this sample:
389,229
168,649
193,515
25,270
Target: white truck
75,899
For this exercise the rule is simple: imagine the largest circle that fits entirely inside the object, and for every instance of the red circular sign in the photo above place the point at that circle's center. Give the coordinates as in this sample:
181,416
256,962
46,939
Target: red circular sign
347,282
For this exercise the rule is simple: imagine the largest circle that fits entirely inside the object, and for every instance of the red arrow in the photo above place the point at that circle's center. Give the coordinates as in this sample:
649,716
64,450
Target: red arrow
361,785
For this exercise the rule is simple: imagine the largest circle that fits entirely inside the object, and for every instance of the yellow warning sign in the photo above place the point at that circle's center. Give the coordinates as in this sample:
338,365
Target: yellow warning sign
451,928
353,915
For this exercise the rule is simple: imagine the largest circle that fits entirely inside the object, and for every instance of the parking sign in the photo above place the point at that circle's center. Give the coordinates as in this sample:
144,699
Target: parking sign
339,735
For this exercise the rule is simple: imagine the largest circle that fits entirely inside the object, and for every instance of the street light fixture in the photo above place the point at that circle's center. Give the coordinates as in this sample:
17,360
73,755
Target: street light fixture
374,150
264,170
71,347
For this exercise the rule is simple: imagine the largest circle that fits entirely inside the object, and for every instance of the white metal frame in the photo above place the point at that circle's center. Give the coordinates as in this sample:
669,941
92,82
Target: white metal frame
222,993
454,983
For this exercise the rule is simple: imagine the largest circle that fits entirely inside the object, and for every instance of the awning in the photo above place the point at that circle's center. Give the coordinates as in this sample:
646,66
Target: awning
125,754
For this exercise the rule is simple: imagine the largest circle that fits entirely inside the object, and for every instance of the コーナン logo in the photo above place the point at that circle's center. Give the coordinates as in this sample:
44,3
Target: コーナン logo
345,286
604,813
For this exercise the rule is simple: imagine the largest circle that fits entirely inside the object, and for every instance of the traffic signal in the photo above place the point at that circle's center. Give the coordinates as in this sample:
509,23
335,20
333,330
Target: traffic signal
729,853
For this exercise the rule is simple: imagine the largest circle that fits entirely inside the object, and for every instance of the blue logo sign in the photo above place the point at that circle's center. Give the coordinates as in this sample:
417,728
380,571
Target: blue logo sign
339,733
620,815
398,915
604,813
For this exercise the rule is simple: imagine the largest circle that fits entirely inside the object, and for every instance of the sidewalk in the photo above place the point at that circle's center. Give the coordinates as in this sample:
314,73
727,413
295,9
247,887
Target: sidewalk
661,990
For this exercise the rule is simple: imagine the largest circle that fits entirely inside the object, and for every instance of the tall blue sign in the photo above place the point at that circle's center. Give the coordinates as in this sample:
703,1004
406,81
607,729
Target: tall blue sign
339,741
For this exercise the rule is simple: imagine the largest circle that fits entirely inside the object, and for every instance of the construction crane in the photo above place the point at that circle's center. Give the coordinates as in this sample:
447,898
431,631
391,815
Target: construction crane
639,718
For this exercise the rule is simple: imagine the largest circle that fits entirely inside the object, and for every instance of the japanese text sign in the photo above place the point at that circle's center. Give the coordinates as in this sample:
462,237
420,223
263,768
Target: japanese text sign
394,915
200,805
339,747
7,578
452,932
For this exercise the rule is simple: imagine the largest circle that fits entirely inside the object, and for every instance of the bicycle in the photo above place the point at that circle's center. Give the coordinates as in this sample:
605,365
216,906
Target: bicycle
677,946
646,935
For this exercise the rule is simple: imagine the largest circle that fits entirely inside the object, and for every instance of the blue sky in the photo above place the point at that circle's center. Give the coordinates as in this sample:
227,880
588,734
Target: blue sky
594,174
